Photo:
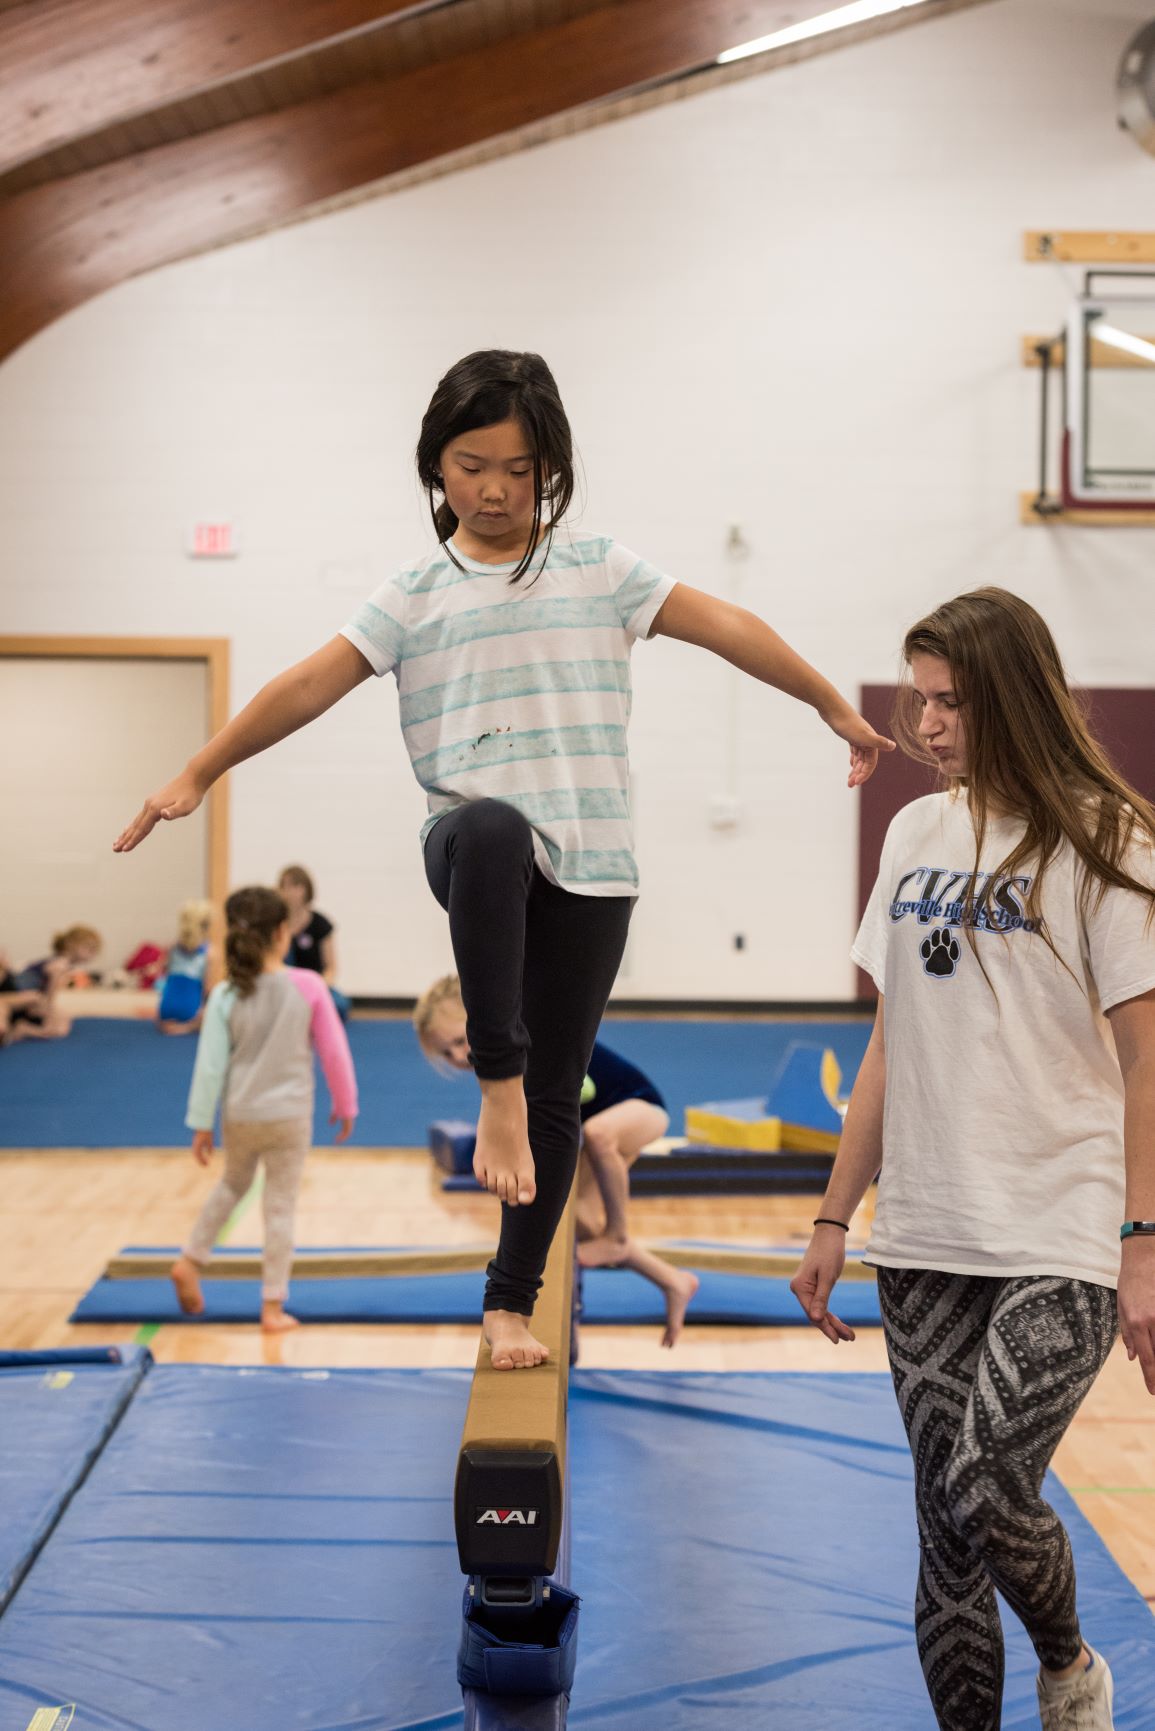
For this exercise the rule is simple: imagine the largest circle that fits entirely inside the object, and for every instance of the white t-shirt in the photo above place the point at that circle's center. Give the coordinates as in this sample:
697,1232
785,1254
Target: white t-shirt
1003,1122
521,692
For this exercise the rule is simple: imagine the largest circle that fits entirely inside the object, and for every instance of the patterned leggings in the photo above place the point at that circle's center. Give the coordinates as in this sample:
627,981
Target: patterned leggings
989,1373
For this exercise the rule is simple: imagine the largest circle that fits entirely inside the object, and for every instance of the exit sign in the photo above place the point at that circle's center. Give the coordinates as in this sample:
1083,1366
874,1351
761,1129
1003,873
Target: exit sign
213,541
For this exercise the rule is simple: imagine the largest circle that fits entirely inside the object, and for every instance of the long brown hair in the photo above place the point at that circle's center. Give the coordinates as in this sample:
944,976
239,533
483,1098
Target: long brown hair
1029,751
253,917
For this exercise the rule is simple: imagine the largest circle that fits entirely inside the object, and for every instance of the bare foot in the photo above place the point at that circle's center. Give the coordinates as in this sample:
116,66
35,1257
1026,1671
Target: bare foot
502,1160
511,1345
603,1252
678,1297
275,1319
186,1278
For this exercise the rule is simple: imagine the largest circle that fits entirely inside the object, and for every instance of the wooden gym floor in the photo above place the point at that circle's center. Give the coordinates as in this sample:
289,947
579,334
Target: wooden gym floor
66,1212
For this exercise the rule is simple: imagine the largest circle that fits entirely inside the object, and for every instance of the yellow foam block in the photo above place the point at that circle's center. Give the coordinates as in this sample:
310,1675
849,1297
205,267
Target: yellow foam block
799,1139
756,1135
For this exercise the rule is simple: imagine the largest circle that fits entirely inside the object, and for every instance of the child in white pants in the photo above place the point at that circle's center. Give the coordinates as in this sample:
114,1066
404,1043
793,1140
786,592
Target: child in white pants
260,1030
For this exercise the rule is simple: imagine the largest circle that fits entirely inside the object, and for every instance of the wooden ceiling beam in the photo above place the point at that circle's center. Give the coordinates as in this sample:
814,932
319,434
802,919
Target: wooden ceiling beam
74,66
70,239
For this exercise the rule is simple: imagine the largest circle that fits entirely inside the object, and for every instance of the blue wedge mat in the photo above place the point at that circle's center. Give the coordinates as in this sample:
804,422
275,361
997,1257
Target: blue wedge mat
54,1418
120,1084
274,1549
610,1295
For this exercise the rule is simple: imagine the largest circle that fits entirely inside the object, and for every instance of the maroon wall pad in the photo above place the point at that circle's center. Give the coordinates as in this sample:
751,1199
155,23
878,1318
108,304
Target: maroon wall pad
1123,719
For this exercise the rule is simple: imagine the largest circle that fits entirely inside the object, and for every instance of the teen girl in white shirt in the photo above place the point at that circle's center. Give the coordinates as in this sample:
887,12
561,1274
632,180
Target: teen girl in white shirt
1015,1132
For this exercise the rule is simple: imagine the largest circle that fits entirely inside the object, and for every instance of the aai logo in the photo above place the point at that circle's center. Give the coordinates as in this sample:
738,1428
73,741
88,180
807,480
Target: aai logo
506,1518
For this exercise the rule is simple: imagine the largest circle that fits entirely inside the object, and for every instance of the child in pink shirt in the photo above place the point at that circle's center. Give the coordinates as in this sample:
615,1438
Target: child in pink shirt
261,1027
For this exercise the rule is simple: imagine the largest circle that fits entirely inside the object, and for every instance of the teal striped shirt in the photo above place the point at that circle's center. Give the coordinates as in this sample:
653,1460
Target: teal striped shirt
521,692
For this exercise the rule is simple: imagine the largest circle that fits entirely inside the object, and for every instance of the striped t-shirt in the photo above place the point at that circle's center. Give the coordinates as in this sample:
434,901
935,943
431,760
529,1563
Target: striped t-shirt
521,692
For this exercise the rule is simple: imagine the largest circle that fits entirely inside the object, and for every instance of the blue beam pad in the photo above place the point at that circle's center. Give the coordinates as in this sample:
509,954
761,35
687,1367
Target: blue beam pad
56,1410
267,1549
451,1143
609,1296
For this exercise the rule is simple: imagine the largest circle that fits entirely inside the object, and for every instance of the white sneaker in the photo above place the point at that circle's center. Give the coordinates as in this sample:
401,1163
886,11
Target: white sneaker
1080,1703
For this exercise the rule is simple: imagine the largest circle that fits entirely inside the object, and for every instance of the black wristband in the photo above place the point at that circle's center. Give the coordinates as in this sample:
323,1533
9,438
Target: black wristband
823,1221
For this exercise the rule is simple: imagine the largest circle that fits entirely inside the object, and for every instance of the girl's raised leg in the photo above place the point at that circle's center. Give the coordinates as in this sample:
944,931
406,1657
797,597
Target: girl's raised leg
479,862
573,950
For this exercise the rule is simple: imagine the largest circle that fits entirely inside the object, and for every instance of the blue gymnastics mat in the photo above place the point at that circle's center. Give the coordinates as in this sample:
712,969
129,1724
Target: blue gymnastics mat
609,1295
274,1549
119,1084
55,1415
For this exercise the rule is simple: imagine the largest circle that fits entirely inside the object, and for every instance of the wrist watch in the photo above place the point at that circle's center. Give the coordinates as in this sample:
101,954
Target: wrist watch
1137,1229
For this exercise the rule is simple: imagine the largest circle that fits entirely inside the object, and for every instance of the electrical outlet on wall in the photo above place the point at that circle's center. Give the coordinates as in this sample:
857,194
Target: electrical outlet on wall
725,811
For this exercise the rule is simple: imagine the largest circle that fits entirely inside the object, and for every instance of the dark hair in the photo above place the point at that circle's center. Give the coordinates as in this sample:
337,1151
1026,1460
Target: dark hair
486,387
253,916
299,876
1029,750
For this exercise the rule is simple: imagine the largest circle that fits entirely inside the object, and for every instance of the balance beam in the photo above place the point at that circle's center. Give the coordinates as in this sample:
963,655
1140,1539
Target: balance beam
513,1445
469,1259
315,1264
512,1531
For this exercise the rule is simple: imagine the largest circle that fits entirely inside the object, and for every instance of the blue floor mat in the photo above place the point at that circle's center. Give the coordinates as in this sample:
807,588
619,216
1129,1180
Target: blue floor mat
120,1084
274,1549
610,1295
54,1419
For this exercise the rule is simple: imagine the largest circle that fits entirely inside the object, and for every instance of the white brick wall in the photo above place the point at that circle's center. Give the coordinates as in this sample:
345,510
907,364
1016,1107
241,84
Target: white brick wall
794,303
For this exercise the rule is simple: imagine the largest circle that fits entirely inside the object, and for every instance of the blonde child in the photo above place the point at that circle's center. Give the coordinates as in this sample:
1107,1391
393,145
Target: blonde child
34,1012
511,647
182,994
261,1027
622,1112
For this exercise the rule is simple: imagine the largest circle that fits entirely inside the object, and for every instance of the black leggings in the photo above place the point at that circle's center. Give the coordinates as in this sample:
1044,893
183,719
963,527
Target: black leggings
537,964
989,1373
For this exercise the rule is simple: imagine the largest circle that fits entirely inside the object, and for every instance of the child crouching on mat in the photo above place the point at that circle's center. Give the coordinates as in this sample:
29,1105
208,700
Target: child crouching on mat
622,1112
261,1027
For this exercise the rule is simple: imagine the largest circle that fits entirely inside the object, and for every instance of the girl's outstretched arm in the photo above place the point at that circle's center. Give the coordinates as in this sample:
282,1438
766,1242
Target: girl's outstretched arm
749,644
293,698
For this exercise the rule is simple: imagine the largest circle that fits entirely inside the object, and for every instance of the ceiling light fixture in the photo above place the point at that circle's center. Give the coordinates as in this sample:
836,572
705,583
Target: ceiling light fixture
859,12
1116,339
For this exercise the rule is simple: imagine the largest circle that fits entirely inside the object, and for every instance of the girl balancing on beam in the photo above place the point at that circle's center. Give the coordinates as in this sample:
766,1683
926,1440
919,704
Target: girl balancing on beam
510,644
1015,1136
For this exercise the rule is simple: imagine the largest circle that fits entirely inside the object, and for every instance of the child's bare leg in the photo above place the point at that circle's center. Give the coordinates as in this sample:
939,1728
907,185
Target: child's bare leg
275,1319
240,1170
677,1285
503,1160
185,1276
284,1150
54,1025
611,1142
512,1343
613,1181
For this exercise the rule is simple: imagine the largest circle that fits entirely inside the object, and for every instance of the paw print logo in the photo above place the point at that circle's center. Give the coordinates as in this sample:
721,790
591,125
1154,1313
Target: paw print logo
940,953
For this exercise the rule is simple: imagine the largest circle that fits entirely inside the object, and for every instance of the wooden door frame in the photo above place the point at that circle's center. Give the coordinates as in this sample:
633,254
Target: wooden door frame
214,653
